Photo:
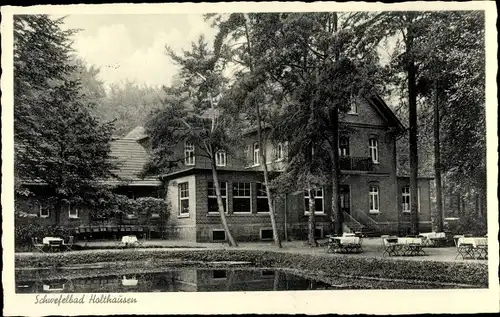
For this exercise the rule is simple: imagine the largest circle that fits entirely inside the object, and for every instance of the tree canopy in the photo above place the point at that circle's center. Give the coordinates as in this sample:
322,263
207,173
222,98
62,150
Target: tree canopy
58,142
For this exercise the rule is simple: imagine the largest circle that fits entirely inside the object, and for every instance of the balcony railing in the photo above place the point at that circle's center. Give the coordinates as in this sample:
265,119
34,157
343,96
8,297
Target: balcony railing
356,163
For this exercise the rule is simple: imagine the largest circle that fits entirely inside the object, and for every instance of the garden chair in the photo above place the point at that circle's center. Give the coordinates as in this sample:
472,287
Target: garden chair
140,242
465,250
55,245
38,246
391,246
69,246
382,238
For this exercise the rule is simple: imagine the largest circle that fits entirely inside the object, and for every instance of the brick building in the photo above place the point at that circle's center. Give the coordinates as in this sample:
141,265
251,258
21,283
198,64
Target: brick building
373,197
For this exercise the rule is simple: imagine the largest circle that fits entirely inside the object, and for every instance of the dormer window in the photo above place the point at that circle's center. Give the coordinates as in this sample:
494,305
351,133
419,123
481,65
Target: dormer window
256,154
73,212
353,105
220,158
189,158
280,154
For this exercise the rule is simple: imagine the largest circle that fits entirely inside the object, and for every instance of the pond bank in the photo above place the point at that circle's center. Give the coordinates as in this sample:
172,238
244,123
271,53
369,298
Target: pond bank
326,265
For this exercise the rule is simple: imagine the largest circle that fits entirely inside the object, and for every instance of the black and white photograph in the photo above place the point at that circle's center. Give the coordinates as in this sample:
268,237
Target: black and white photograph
283,157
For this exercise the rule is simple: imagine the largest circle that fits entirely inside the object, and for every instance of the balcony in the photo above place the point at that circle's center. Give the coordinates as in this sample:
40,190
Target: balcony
363,164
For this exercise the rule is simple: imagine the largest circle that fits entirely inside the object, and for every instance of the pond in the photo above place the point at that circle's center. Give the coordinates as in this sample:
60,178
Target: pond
192,279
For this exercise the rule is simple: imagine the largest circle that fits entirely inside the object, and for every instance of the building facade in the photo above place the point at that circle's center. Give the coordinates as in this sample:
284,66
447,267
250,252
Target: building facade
373,198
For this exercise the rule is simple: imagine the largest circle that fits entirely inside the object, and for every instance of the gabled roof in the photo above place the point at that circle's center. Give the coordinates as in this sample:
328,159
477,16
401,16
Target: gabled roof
383,109
131,157
374,100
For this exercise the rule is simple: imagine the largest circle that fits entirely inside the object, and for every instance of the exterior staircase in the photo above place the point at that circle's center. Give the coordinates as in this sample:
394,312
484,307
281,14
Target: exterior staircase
368,230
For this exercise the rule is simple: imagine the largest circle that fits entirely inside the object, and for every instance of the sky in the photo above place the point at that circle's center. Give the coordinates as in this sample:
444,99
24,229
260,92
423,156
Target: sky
132,47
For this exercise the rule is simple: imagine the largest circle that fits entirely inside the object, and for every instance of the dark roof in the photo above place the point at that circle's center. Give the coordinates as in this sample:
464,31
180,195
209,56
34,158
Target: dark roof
386,112
375,100
131,156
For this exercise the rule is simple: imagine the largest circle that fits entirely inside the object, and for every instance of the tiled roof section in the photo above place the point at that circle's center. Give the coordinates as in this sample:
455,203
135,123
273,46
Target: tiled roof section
131,156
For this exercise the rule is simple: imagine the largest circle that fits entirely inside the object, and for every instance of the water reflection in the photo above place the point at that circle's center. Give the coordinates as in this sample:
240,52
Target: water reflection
179,280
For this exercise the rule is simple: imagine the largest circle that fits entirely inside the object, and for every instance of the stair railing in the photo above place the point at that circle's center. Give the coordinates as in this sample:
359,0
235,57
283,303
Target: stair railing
372,221
351,219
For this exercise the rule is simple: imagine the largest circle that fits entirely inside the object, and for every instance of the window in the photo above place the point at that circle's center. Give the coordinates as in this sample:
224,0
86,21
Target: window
219,274
373,145
318,232
189,158
262,202
218,235
256,154
406,199
374,199
183,199
266,234
318,202
241,197
279,152
72,212
353,105
344,146
213,207
267,273
220,158
44,212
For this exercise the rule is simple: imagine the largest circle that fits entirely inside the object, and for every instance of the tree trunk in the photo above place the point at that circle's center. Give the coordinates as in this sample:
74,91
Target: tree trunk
412,102
335,175
464,209
220,204
262,153
459,211
336,212
276,236
311,239
437,164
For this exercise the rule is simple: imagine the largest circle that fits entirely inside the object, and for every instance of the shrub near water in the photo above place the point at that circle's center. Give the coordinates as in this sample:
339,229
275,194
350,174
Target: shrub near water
430,271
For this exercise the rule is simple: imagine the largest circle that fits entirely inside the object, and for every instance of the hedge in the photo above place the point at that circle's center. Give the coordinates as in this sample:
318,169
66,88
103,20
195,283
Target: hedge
431,271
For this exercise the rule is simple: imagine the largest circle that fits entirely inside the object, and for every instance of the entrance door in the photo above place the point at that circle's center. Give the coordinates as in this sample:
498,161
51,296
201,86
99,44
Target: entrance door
345,199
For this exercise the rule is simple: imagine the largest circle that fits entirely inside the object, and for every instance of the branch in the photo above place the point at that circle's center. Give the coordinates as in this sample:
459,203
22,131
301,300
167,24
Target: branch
316,52
187,124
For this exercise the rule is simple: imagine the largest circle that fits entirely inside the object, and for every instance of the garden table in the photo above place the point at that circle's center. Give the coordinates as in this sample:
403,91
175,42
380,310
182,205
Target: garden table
391,246
433,239
344,244
129,282
472,247
129,239
54,243
394,246
47,240
411,246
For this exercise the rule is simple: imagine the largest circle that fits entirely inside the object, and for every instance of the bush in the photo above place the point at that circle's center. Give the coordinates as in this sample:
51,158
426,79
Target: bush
25,230
469,224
